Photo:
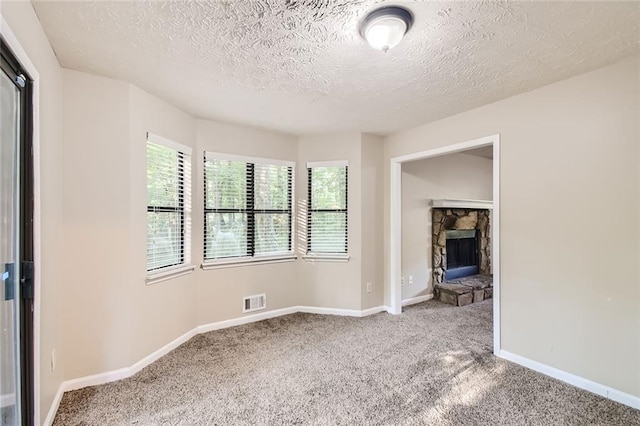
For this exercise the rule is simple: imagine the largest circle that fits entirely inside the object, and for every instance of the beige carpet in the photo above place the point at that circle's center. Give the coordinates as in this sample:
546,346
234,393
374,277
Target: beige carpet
433,366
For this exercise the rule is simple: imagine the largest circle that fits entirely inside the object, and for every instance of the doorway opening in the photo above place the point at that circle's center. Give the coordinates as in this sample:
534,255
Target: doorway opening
469,239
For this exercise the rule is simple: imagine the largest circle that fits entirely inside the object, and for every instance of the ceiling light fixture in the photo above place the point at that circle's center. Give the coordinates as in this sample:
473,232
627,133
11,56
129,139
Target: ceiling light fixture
384,28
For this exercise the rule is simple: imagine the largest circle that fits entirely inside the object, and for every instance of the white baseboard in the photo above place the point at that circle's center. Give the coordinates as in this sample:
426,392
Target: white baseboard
572,379
51,415
329,311
149,359
96,379
244,320
7,400
417,299
341,312
623,398
374,310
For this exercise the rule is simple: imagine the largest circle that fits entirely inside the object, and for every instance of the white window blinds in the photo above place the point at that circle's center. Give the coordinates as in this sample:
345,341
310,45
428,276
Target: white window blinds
327,208
248,207
168,203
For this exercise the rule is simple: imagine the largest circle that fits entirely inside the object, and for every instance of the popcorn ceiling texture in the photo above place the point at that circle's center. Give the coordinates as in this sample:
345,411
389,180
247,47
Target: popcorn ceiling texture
300,66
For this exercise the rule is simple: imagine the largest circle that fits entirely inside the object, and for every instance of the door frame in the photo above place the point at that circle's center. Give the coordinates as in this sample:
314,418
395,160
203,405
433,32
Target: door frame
395,223
21,55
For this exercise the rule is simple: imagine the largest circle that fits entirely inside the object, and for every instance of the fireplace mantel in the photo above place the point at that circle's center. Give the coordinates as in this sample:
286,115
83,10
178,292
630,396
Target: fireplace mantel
448,203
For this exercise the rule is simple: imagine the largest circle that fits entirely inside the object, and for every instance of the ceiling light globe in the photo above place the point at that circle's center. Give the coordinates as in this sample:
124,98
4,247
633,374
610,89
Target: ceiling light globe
385,32
384,28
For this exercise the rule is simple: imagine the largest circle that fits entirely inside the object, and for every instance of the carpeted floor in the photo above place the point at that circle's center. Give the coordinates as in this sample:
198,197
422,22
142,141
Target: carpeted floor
433,365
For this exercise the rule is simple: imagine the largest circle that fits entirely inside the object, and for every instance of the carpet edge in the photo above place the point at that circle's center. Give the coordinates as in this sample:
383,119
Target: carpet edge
572,379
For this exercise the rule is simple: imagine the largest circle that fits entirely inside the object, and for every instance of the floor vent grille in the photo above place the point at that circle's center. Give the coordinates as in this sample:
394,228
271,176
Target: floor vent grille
254,303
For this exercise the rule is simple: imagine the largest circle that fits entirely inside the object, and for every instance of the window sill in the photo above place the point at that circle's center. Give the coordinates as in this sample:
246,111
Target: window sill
326,257
169,273
246,261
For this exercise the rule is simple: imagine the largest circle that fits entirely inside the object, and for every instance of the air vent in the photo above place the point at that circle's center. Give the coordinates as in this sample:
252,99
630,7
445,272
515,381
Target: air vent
254,303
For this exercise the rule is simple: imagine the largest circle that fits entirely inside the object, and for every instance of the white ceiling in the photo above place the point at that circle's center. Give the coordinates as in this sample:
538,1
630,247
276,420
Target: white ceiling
300,66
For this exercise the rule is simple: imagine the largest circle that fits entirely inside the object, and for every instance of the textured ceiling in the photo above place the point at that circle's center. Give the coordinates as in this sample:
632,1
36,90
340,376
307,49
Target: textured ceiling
300,66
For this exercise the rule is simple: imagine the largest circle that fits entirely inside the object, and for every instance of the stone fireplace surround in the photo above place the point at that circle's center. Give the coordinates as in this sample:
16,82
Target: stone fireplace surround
460,215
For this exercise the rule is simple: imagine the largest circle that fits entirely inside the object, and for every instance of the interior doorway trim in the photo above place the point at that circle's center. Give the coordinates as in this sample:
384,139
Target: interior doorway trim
395,223
20,54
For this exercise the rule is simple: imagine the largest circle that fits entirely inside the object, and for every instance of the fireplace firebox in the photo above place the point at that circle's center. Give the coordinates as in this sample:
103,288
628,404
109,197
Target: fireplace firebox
462,253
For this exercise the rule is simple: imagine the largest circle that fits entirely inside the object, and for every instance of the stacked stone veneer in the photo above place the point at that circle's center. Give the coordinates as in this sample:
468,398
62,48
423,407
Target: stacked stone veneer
455,219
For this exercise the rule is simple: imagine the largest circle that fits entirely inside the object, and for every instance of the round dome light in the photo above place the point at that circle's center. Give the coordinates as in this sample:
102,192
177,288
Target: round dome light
384,28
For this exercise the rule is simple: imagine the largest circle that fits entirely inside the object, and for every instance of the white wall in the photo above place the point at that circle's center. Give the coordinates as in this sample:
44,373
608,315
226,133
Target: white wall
455,176
24,23
570,193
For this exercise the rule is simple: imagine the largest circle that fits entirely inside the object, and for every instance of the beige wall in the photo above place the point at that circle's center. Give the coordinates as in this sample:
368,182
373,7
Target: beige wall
569,204
95,223
165,310
372,215
220,291
114,319
332,284
24,23
455,176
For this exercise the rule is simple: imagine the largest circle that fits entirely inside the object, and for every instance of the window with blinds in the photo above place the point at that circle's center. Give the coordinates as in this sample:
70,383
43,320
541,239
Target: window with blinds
168,204
327,208
248,207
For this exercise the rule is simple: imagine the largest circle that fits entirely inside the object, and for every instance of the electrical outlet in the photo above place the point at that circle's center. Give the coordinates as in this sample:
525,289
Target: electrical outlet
53,360
410,279
401,280
369,289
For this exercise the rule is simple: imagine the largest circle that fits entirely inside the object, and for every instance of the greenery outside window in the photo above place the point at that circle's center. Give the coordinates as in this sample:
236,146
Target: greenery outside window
248,214
327,232
168,205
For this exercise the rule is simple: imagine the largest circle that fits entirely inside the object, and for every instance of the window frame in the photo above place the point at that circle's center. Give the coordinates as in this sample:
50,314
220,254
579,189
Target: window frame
183,207
326,256
251,212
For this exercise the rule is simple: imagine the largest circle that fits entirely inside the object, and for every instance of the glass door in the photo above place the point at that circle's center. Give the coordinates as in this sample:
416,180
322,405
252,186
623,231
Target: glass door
9,249
16,244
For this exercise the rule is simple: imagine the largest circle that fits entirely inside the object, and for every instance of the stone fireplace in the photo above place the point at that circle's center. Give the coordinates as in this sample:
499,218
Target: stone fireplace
461,243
